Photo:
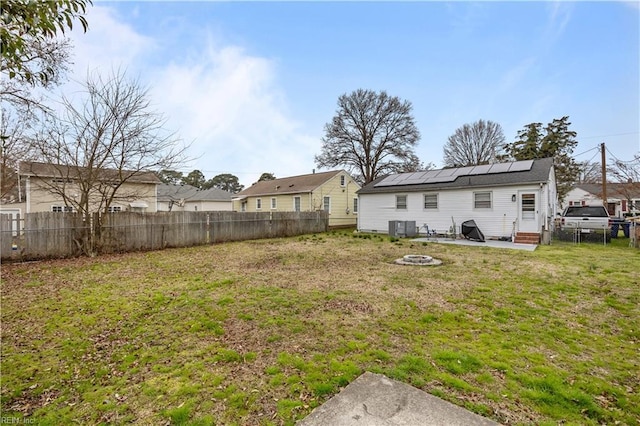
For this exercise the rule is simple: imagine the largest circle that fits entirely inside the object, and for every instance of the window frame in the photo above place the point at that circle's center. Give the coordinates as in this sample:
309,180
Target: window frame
258,203
406,202
57,208
430,206
299,206
481,204
274,203
343,180
355,205
326,203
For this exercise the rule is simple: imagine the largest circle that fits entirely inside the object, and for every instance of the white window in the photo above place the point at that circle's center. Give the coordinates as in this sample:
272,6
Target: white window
430,201
326,204
243,206
343,180
482,200
355,205
114,209
274,203
60,209
401,202
258,203
296,204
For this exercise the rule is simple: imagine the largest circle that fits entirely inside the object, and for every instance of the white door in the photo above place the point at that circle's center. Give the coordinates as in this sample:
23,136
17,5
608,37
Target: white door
528,212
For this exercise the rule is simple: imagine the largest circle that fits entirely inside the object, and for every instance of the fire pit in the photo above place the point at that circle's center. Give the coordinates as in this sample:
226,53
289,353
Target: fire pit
418,260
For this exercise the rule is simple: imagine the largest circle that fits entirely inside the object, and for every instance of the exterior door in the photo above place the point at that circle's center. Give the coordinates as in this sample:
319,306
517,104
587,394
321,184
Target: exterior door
528,212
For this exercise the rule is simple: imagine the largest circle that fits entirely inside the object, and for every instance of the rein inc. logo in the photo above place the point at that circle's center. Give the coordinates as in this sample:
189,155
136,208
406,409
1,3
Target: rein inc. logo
17,421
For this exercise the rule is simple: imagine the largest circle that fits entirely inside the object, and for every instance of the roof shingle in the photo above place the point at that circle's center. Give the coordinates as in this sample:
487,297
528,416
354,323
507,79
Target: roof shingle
288,185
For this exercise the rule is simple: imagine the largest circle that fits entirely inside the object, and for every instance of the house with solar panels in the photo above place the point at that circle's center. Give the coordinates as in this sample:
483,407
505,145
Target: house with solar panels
516,200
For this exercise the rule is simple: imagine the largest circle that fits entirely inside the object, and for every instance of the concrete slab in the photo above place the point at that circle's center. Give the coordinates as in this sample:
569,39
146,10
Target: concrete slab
487,243
375,400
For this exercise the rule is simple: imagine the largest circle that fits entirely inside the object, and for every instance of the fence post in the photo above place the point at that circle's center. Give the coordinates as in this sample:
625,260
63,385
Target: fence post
208,236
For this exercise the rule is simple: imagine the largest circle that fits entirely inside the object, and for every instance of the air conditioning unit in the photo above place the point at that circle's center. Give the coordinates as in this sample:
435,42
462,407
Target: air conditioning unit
402,228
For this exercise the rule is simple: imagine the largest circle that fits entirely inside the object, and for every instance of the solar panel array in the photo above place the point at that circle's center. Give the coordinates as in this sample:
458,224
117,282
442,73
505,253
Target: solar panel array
450,175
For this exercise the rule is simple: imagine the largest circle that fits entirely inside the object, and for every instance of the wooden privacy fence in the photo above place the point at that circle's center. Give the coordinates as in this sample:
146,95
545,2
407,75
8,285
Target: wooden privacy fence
55,235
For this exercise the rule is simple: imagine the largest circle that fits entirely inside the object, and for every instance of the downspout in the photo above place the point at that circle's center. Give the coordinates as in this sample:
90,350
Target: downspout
28,194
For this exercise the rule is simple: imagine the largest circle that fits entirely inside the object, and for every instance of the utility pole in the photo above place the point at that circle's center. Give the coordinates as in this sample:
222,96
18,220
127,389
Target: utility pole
604,176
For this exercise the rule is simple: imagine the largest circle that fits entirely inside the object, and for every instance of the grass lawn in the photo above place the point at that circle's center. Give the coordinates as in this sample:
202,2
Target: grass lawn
261,332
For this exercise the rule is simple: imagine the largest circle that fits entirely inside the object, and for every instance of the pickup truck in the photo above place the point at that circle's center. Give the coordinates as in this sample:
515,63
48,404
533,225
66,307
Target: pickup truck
585,217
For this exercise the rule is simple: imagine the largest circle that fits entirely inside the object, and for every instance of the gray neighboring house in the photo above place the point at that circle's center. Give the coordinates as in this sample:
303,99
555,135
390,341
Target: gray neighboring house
504,199
188,198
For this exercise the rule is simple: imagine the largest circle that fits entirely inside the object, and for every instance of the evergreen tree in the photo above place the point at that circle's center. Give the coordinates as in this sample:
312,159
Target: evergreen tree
555,140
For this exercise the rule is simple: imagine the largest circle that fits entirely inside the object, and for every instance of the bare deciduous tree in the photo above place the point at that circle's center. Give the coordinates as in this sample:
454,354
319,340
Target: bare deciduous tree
23,106
109,139
627,175
13,127
372,134
590,172
473,144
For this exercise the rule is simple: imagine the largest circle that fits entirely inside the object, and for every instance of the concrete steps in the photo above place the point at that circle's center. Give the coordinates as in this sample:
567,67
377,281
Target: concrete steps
527,238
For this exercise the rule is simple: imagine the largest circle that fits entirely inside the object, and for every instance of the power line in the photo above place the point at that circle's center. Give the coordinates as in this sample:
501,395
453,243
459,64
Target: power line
616,158
589,150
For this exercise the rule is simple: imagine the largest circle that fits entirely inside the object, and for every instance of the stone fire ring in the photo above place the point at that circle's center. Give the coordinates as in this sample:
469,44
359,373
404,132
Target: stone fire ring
418,260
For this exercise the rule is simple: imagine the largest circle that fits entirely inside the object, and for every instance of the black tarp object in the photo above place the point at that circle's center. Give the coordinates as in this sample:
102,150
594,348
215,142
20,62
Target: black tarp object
471,231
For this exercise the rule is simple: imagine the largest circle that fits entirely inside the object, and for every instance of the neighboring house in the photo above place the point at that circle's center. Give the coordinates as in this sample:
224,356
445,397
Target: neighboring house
622,198
333,191
189,198
504,199
138,193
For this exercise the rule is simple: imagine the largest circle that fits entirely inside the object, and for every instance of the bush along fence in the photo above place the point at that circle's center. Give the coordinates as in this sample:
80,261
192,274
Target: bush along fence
57,235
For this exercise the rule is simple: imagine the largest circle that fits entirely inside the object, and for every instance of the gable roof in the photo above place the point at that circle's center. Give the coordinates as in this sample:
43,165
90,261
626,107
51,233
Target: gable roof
537,173
168,192
213,194
289,185
617,190
49,170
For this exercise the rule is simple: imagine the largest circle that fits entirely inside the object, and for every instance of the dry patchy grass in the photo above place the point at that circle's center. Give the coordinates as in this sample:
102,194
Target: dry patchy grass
261,332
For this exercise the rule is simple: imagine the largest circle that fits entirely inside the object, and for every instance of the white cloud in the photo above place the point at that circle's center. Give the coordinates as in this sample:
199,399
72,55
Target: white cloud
108,44
223,101
560,13
228,106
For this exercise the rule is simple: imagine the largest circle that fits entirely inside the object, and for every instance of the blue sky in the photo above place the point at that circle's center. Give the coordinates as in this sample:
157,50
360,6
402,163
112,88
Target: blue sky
250,85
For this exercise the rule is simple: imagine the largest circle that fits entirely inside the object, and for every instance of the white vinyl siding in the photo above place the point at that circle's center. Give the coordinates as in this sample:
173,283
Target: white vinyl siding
455,205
